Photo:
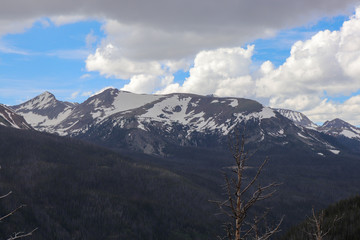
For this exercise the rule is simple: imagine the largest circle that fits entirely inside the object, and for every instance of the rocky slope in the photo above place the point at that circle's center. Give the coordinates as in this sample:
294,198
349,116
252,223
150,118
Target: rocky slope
297,117
9,118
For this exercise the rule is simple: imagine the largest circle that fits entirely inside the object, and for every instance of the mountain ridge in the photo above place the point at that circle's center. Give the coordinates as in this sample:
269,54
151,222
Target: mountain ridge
152,123
9,118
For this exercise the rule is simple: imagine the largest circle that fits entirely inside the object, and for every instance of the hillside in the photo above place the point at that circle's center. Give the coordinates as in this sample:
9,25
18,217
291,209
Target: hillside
75,190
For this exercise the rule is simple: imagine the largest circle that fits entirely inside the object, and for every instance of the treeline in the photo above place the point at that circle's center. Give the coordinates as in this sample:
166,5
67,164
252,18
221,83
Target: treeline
341,221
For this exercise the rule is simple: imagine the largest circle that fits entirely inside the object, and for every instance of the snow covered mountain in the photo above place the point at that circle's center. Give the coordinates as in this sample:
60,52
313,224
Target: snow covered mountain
9,118
297,117
154,123
338,127
44,112
335,127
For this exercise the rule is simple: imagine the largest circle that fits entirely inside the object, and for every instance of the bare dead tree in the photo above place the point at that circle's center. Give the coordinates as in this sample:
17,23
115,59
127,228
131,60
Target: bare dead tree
242,195
16,235
318,230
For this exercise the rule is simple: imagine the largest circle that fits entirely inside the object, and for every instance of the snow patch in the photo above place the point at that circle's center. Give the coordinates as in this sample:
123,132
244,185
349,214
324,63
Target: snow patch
300,135
126,101
234,103
173,108
40,121
266,112
334,151
357,130
349,134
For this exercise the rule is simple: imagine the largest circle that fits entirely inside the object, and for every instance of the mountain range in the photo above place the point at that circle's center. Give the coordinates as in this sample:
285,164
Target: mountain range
153,123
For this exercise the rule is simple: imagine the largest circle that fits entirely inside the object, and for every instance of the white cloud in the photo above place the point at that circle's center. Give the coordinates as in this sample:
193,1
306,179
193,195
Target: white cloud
325,66
145,76
224,71
108,63
74,95
4,48
147,83
327,110
60,20
85,76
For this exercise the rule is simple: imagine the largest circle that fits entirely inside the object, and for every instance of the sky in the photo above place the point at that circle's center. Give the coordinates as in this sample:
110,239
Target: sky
299,55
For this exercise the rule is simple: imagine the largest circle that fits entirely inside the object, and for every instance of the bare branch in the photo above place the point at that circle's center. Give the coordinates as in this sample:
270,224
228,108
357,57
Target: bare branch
11,213
255,177
4,196
22,234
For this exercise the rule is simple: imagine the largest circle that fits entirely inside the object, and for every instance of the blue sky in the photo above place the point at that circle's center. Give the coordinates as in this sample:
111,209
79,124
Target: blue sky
277,48
76,52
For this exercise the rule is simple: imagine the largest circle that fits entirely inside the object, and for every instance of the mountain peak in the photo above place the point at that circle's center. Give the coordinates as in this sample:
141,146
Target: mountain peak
106,89
338,127
336,123
46,96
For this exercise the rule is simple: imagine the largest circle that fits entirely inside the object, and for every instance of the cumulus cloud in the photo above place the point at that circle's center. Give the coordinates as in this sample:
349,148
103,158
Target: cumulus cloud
327,110
224,71
327,65
145,76
108,62
147,83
